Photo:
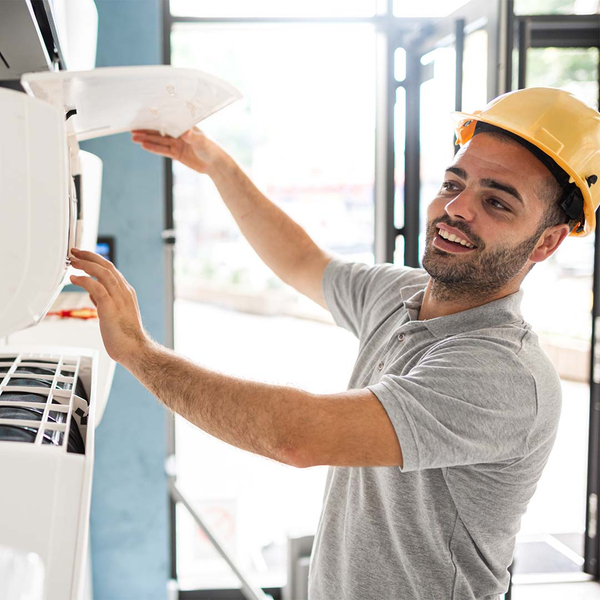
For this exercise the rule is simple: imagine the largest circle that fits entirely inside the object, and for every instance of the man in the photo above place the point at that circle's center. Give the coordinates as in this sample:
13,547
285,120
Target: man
452,409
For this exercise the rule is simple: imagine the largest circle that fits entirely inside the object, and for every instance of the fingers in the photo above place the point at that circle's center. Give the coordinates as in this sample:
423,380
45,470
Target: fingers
102,274
91,286
98,267
154,137
158,149
158,144
152,131
191,132
138,134
92,257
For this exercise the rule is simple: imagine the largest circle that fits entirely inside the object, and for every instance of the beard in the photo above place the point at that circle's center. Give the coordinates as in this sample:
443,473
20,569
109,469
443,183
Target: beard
476,275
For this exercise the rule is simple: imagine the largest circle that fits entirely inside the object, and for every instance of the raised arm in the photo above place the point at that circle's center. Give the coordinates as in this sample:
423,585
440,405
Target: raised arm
280,242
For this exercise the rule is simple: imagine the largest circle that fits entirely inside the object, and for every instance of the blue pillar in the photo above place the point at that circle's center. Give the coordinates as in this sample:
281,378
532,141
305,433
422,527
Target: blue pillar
129,520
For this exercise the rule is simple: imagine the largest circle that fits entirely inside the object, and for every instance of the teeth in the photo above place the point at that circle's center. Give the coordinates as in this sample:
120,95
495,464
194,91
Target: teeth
454,238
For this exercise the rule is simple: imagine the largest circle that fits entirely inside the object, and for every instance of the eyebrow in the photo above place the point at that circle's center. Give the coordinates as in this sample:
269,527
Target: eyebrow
489,183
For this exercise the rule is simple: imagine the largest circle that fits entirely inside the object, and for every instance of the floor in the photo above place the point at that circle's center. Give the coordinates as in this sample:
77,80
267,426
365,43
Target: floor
558,591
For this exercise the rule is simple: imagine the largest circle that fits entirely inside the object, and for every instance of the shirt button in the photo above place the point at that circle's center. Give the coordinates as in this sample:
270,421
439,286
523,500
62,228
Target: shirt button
380,366
401,337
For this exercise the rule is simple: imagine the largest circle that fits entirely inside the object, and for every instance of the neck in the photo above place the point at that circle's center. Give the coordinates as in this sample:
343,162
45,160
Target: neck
439,301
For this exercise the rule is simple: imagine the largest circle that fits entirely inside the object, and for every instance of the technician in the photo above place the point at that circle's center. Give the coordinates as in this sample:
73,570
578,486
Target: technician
452,409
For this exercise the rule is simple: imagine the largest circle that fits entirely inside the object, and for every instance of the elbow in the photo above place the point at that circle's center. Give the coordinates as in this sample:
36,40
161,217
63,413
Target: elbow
295,456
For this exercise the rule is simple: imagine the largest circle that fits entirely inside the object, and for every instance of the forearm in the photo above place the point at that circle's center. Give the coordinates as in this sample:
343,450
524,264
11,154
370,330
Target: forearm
260,418
279,422
282,244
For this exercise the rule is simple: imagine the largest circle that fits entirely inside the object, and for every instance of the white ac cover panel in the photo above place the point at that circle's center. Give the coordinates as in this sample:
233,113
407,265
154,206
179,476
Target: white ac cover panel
36,208
117,99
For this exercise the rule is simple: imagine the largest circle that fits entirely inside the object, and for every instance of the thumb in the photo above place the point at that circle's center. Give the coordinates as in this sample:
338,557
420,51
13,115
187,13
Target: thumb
192,133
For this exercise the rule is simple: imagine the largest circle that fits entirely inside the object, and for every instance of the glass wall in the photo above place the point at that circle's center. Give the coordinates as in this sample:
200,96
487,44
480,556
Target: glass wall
426,8
273,8
437,143
557,299
549,7
436,127
557,303
475,71
304,133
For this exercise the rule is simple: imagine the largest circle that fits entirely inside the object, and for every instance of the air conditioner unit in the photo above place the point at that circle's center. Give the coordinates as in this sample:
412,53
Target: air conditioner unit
55,376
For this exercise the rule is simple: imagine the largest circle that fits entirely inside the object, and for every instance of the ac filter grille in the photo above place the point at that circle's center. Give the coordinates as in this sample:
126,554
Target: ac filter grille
43,402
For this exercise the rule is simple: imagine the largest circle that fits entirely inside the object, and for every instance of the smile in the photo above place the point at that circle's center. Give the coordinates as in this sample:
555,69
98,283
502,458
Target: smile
449,242
454,238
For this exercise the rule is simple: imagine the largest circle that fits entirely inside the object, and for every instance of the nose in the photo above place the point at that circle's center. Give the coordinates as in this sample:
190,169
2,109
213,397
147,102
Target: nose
462,207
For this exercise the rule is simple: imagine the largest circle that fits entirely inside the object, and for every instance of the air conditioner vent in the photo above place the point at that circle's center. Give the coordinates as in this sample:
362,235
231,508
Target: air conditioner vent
43,402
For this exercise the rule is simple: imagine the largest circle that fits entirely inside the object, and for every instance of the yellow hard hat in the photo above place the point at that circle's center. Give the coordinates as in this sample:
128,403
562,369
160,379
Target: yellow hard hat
558,124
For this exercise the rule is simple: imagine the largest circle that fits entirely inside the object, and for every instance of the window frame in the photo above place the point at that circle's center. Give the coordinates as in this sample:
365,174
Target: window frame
417,36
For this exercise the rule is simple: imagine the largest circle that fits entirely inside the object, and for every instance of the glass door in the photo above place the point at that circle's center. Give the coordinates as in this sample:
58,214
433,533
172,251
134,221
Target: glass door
558,541
465,61
457,64
304,133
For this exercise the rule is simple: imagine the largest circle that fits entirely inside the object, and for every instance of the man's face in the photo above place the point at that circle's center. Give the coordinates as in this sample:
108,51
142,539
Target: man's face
493,198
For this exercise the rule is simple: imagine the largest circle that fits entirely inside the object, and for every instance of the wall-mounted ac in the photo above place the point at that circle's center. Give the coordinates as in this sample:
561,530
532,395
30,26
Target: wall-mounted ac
55,375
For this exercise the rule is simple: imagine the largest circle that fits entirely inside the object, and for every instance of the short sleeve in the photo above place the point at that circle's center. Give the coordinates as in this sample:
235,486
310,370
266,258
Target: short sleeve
351,288
466,402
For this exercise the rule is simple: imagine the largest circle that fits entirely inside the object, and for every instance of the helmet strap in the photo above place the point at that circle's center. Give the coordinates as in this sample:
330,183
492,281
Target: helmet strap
572,203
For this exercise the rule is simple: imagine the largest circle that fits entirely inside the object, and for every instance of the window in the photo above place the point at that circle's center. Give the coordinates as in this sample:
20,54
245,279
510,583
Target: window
273,8
426,8
549,7
304,132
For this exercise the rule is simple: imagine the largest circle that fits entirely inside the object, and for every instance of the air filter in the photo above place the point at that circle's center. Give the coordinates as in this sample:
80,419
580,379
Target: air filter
38,401
26,406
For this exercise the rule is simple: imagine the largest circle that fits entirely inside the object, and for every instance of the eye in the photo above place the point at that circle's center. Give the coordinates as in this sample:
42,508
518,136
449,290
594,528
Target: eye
449,186
497,204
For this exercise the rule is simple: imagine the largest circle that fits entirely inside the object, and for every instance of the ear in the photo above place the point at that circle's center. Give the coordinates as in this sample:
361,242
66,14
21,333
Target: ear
549,242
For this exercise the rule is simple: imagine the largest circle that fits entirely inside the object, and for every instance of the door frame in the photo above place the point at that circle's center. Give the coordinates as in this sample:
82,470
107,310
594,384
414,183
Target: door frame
420,38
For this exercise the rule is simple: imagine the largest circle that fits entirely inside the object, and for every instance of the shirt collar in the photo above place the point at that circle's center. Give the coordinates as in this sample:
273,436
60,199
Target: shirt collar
498,312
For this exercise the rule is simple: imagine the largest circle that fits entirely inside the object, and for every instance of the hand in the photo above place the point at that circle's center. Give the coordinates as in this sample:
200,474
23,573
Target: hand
120,320
193,148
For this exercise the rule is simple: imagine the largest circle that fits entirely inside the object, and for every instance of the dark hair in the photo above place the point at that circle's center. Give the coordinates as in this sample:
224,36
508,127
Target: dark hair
560,193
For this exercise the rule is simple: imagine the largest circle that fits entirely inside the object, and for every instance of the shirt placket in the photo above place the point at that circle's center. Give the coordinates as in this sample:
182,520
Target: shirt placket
399,336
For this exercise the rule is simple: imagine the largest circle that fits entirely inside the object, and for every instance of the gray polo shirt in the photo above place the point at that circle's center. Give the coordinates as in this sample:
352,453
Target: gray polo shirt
475,403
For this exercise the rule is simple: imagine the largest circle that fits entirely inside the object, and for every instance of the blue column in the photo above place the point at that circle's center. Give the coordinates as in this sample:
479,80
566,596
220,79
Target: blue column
129,520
